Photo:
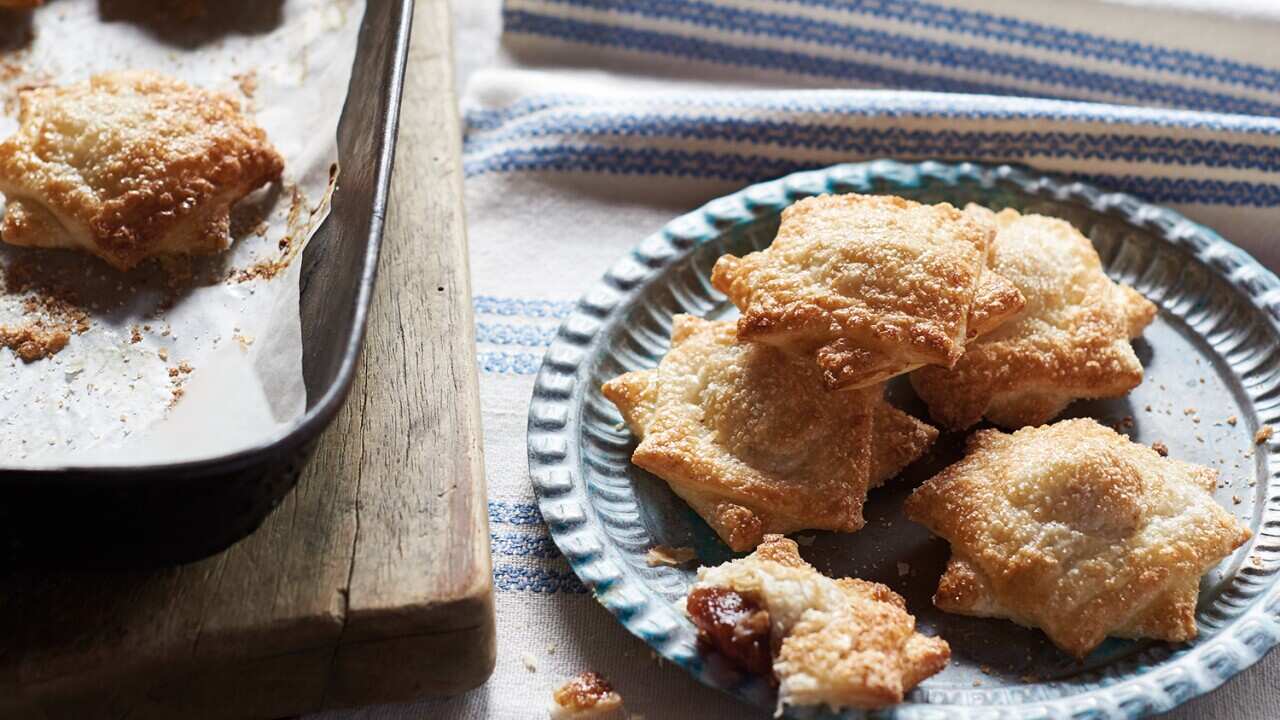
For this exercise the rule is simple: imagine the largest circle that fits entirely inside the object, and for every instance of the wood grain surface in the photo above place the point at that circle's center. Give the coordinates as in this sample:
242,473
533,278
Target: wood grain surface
371,582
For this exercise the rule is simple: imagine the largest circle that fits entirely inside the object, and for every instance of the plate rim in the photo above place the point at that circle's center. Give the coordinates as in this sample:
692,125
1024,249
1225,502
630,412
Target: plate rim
553,426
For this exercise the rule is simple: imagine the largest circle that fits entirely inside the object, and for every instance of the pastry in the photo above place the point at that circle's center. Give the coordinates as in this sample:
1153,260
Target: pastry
1070,341
587,696
870,286
897,439
1076,530
128,166
844,643
751,439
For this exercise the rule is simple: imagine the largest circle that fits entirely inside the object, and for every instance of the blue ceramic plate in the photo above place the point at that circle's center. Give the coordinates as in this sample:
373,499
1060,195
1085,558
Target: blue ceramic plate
1211,355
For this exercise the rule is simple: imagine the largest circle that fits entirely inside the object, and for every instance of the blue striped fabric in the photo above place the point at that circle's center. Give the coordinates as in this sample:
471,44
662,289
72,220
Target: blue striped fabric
525,560
907,44
915,105
1015,73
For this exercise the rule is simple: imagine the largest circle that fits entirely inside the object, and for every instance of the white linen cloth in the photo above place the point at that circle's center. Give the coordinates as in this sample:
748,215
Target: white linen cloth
593,122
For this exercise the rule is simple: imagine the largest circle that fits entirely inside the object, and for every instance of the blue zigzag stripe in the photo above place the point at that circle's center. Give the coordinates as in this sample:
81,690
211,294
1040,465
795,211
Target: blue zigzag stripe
514,513
755,168
503,334
509,363
898,105
1136,90
892,142
523,545
490,305
513,578
1058,39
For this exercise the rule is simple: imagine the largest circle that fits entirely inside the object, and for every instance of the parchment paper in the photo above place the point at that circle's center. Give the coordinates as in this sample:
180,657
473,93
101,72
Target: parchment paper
215,364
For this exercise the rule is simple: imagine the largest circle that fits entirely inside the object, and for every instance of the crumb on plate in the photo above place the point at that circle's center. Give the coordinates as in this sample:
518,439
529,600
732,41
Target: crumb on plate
669,556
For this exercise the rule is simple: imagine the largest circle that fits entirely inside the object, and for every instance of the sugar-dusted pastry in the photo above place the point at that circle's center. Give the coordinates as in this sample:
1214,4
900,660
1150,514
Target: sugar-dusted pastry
128,166
897,439
750,438
747,435
1070,341
1076,530
844,643
870,286
586,696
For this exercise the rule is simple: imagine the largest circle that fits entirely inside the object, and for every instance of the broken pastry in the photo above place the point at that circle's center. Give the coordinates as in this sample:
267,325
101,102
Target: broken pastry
751,439
844,643
870,286
1076,530
128,166
1070,341
587,696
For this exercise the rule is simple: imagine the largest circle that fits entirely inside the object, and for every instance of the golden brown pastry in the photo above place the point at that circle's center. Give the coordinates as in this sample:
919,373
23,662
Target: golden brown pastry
1076,530
130,165
871,286
586,696
1071,340
750,438
844,643
897,439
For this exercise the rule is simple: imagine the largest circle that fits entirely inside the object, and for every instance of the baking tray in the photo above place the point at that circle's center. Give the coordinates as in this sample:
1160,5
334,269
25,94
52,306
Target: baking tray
1210,355
155,515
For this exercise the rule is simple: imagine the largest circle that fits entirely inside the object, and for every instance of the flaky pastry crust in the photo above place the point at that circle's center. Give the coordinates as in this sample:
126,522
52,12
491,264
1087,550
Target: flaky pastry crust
1070,341
870,286
844,643
897,439
1076,530
750,438
130,165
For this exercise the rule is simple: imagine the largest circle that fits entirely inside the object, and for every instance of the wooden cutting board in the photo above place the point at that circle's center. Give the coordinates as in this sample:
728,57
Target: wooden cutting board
371,582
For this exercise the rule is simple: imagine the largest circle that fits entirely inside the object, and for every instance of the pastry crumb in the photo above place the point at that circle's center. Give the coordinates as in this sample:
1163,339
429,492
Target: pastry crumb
1160,448
1232,421
1264,434
903,569
669,556
248,83
34,341
589,695
530,662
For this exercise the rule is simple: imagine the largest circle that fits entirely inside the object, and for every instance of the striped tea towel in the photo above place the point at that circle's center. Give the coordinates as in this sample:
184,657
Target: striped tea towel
596,121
